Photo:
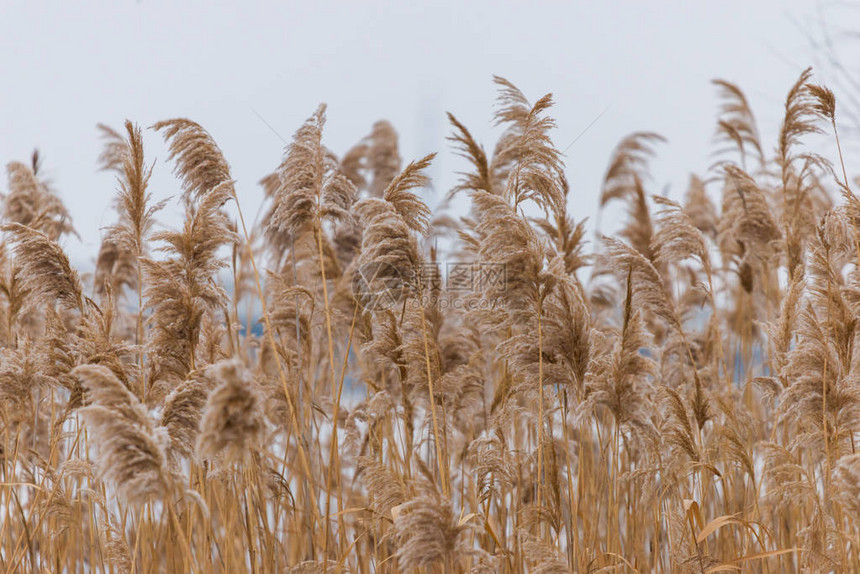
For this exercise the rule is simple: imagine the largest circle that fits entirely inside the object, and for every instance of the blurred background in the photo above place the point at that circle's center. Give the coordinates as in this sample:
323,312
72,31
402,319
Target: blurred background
252,72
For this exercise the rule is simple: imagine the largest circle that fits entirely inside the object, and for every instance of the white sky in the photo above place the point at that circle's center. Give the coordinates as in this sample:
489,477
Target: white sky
66,66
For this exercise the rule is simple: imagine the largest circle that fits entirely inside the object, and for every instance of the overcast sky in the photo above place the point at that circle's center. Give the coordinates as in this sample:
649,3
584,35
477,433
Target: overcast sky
647,65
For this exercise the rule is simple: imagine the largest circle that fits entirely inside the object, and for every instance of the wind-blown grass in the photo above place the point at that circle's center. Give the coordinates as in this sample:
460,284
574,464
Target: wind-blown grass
682,397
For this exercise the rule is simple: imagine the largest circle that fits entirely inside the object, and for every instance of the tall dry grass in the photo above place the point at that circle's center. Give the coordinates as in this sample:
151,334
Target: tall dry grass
321,392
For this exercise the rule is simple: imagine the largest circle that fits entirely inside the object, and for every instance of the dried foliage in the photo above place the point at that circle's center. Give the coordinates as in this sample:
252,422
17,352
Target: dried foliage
357,383
232,426
130,450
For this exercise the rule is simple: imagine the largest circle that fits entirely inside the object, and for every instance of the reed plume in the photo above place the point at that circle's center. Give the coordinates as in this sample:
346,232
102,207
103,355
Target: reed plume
198,159
232,425
131,449
45,272
409,390
32,202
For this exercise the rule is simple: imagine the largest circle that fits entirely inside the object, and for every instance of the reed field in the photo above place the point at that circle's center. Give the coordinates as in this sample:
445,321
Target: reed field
355,382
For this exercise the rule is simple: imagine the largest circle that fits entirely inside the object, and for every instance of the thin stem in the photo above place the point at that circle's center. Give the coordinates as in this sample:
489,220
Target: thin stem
271,337
439,458
540,405
334,394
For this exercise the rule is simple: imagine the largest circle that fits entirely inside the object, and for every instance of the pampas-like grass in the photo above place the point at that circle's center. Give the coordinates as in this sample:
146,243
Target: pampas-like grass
181,289
32,202
198,159
45,270
467,147
311,187
137,212
736,127
232,426
398,193
536,167
183,411
389,251
131,449
489,393
428,534
621,384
